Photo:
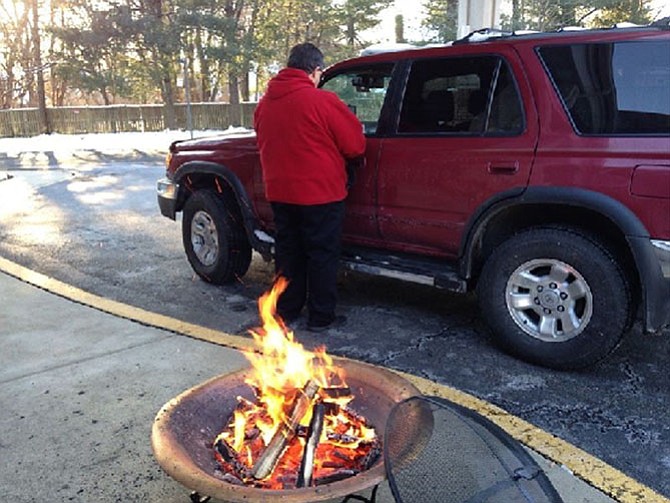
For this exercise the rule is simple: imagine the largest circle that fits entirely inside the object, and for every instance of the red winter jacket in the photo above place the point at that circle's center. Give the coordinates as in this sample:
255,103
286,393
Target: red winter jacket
303,135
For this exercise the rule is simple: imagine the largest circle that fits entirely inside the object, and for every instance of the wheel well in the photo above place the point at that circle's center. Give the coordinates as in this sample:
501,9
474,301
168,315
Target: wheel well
232,192
193,182
515,219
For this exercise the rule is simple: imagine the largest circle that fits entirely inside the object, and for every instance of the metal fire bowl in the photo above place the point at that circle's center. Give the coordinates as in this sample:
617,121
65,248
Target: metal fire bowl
185,428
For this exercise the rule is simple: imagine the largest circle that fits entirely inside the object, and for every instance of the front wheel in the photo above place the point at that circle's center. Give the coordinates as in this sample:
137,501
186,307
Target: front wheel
214,239
555,297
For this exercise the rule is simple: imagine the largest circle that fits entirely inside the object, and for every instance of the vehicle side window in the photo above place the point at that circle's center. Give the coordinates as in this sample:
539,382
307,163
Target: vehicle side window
613,88
462,95
363,90
506,115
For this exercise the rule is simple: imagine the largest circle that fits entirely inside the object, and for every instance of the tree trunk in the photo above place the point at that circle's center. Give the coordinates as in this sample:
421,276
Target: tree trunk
169,116
400,29
244,88
516,15
37,59
204,89
234,91
351,32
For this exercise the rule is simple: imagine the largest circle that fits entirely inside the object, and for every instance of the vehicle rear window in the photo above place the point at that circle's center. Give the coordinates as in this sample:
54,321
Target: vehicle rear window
613,88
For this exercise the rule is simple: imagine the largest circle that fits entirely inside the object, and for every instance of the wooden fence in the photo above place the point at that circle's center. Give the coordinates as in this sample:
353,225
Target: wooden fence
120,118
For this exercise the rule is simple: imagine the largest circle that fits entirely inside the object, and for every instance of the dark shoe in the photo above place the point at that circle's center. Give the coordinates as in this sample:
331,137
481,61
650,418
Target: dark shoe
317,327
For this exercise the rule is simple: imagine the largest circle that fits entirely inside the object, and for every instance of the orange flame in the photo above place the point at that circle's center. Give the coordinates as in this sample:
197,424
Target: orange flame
282,365
281,368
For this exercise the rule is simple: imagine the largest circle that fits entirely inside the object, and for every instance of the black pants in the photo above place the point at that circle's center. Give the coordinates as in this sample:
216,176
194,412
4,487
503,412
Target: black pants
307,254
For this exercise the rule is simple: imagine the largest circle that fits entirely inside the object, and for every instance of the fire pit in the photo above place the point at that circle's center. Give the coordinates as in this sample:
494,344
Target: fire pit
296,426
185,428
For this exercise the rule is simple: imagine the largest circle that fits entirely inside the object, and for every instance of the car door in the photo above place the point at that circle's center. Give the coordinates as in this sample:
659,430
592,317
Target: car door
363,88
466,131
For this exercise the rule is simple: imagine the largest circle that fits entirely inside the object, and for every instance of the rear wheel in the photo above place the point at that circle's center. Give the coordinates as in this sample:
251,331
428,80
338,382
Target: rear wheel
555,297
214,239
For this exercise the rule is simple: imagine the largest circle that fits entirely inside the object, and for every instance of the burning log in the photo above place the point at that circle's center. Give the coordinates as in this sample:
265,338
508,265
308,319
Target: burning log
315,427
263,444
266,462
337,392
228,457
335,476
344,438
372,455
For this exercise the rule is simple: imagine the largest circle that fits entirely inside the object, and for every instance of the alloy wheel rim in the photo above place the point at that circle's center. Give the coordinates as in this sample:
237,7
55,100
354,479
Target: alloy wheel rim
549,300
204,238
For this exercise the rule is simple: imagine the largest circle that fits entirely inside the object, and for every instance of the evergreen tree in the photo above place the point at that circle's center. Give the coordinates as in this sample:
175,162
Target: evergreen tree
544,15
93,52
357,16
619,11
441,20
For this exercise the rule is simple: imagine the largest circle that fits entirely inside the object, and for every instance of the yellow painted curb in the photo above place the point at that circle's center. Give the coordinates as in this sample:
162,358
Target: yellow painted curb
592,470
124,310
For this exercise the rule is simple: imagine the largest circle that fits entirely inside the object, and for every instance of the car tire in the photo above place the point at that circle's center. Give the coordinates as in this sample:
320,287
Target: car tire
555,297
214,238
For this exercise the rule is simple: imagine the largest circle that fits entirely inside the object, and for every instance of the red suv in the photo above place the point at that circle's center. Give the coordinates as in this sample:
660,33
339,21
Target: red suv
534,169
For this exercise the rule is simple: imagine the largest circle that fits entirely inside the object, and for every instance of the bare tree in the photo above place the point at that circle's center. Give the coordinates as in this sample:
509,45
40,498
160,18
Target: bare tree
38,69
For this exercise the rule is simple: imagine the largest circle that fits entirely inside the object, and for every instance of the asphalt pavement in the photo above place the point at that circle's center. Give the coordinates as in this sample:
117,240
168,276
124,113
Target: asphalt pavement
82,378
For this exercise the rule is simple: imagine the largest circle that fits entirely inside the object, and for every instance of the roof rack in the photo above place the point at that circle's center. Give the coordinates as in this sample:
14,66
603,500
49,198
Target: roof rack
486,34
483,35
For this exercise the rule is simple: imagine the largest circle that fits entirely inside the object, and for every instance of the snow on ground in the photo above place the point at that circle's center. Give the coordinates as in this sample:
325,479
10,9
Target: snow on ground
151,141
56,149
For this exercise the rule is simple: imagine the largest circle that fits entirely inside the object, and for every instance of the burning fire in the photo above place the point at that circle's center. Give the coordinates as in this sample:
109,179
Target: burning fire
298,432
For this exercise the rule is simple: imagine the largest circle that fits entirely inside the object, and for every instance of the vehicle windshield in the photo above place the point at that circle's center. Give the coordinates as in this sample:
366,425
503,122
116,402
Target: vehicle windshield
363,90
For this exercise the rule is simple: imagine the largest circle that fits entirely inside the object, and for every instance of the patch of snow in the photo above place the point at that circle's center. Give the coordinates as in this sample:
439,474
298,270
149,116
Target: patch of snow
387,47
266,238
102,142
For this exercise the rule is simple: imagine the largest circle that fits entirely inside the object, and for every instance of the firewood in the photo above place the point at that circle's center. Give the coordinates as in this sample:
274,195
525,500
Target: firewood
336,392
229,458
343,438
266,462
232,479
307,462
335,476
372,456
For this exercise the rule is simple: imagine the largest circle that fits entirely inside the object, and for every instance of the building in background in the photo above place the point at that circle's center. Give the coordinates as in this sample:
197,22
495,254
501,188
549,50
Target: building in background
477,14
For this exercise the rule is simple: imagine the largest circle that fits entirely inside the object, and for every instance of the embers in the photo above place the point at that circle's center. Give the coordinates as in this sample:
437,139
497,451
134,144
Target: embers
321,442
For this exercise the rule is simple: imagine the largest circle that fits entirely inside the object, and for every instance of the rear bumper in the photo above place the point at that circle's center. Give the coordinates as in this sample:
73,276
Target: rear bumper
167,192
655,276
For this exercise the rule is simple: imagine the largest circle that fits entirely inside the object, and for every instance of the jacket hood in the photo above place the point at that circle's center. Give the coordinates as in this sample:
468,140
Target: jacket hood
286,82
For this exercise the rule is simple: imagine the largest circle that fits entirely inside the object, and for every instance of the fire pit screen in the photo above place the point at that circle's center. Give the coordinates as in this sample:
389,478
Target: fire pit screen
296,426
463,457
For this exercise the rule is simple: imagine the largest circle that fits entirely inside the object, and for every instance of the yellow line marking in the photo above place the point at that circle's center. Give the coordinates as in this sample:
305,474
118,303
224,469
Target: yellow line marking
124,310
592,470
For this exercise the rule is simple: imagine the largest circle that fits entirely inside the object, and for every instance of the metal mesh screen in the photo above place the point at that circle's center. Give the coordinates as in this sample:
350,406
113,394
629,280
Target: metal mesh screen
460,457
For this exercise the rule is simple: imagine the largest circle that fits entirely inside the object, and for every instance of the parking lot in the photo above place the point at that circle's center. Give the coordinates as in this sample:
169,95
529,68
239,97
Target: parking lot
90,220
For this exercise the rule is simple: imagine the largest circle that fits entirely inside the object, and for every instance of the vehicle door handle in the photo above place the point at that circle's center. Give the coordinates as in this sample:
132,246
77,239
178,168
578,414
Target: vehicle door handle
503,169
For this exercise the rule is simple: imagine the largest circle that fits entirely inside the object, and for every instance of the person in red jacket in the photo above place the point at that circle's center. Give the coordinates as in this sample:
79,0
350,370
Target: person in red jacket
305,135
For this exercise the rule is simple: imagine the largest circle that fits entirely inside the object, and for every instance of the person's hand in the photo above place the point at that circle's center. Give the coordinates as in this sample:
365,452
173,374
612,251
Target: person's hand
353,165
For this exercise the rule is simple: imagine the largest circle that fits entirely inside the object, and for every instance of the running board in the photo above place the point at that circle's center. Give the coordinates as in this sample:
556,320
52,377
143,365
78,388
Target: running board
421,270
